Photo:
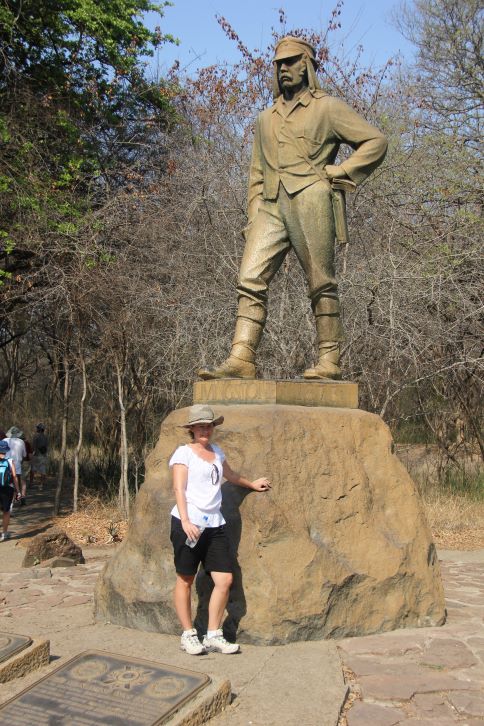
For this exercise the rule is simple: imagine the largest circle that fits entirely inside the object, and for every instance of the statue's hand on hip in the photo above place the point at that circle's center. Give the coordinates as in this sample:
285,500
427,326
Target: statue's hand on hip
333,171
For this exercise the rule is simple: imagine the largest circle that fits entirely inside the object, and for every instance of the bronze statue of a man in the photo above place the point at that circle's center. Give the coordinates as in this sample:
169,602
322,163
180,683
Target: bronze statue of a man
292,202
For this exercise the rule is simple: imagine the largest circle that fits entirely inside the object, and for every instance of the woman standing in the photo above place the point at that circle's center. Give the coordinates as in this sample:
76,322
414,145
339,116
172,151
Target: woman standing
198,527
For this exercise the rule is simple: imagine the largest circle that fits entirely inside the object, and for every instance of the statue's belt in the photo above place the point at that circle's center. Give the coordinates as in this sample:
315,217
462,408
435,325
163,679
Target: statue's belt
339,187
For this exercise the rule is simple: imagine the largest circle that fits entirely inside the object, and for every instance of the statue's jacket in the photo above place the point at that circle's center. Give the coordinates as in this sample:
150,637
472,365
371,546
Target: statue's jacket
312,130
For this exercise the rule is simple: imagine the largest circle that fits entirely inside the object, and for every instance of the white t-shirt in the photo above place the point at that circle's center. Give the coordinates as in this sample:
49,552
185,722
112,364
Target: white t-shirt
17,452
204,481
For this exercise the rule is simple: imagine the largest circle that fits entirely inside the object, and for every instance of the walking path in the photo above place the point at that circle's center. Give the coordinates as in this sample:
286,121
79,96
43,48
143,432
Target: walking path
427,676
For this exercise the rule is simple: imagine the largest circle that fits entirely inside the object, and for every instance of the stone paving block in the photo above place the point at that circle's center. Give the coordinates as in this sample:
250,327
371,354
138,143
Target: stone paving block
412,641
378,667
431,705
17,598
72,600
59,562
362,666
460,631
468,704
476,642
473,675
31,574
392,688
454,612
50,601
448,653
472,612
369,714
433,722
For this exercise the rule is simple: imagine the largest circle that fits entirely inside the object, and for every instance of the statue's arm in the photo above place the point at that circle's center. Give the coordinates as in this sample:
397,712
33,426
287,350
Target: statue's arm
256,175
369,143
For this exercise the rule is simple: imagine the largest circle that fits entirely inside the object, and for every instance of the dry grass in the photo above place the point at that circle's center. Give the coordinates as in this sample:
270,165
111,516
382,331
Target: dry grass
96,522
455,509
457,522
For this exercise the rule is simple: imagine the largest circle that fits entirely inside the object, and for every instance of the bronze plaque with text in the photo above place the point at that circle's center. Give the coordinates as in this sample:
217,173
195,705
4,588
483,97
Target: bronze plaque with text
104,688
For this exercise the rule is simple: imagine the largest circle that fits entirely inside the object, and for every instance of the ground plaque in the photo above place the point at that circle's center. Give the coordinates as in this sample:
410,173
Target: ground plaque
11,644
103,688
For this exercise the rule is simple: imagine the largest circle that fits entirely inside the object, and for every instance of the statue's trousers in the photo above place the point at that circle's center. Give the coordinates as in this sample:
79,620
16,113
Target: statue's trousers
305,222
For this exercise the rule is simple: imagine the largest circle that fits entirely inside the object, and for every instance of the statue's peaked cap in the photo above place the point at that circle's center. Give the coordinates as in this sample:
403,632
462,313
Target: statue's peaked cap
289,46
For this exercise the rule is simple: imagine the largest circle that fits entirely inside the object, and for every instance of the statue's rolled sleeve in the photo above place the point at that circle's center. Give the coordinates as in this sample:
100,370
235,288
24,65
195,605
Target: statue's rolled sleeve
369,143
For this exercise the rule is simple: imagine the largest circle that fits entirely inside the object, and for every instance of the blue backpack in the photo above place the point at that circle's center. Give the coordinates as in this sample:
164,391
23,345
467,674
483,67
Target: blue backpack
6,478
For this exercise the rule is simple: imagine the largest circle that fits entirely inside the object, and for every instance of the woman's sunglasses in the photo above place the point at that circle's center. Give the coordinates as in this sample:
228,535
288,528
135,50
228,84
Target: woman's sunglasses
215,475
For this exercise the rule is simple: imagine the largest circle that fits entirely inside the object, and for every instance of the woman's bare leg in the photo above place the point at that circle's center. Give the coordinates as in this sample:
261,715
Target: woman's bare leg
218,599
183,600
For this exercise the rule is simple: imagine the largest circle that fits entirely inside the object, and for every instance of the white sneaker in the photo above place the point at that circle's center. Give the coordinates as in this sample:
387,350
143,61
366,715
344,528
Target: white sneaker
219,644
4,536
189,642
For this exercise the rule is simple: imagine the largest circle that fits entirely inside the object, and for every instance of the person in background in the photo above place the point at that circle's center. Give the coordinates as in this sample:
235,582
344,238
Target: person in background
40,445
18,451
26,469
8,487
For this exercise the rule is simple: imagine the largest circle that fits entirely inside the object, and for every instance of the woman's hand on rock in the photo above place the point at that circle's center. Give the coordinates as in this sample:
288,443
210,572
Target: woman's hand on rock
261,485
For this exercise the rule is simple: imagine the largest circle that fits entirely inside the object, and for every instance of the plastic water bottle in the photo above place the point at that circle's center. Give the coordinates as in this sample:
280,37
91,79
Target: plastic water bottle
193,542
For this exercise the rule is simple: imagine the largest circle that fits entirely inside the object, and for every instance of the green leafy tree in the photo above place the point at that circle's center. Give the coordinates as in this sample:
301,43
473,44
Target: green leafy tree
75,108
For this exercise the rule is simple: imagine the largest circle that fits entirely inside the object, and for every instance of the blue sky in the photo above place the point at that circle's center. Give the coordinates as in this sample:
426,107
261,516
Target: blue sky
202,42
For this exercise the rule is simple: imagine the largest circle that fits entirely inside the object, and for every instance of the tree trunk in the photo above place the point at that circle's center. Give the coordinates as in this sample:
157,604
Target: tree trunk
81,432
65,413
123,492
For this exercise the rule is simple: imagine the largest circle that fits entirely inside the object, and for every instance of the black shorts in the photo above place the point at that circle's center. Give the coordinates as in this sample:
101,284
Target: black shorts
6,498
212,550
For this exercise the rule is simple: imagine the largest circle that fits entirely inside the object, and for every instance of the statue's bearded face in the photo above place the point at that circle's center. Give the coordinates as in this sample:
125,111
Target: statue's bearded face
291,72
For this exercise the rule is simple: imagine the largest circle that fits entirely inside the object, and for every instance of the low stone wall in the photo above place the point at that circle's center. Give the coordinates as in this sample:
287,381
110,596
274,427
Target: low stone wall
34,656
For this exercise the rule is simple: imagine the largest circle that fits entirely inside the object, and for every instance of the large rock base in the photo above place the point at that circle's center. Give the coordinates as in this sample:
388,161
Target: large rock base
339,547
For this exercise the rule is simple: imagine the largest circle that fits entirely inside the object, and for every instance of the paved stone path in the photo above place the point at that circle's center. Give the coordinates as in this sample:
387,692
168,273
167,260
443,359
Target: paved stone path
39,589
432,676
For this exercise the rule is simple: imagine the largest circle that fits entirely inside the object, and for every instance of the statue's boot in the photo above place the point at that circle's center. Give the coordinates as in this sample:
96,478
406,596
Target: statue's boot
233,367
329,332
241,361
328,362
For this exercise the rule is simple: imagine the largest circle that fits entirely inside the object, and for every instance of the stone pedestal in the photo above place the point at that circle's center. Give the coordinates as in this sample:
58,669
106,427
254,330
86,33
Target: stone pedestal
338,547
